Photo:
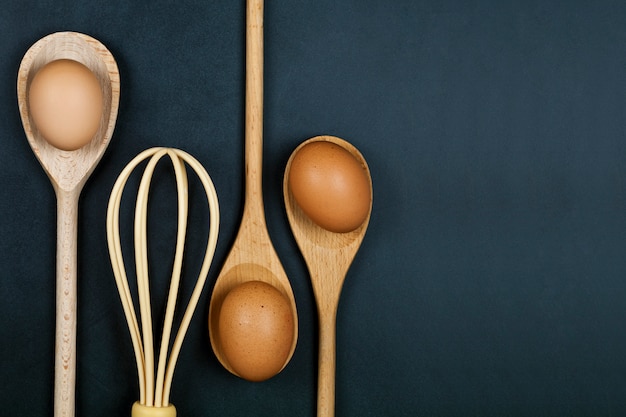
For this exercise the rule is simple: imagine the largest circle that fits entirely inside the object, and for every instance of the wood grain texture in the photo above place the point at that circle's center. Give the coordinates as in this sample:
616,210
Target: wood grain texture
68,171
328,257
252,256
66,296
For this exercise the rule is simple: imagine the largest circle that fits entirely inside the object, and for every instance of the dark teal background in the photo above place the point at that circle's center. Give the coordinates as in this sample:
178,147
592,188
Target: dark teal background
492,280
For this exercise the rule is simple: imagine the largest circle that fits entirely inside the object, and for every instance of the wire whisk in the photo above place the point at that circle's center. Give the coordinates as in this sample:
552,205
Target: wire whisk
155,387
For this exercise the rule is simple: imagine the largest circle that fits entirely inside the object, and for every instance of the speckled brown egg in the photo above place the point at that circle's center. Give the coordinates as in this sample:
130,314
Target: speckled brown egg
330,186
66,103
256,330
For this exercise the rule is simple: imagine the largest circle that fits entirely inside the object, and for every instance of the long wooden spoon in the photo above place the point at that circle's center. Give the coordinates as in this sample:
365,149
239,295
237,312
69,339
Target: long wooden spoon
68,172
328,256
252,256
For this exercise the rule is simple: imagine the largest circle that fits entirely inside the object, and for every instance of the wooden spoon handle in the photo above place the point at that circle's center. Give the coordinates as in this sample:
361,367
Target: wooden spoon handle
254,102
326,364
65,338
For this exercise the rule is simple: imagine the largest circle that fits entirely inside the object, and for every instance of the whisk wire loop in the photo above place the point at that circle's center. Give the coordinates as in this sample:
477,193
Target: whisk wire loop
155,393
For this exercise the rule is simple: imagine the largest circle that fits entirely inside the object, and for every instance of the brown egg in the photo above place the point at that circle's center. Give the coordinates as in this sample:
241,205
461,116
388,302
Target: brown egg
330,186
256,330
66,102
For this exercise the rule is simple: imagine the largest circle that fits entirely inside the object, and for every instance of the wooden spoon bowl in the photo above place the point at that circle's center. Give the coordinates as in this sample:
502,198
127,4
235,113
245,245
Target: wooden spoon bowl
92,54
328,256
310,236
68,171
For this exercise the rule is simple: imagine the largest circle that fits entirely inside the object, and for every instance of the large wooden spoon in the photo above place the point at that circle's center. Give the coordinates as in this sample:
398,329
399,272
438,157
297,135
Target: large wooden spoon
252,256
328,256
68,172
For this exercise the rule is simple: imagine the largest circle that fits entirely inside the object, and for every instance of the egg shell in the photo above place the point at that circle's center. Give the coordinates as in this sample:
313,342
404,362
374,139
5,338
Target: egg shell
330,186
256,330
66,103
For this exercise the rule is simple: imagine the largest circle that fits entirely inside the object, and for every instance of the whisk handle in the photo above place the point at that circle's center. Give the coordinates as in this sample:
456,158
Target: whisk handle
146,411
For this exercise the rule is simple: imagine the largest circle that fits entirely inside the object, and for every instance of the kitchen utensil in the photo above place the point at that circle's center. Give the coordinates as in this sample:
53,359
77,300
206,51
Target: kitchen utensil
252,256
68,172
328,257
154,395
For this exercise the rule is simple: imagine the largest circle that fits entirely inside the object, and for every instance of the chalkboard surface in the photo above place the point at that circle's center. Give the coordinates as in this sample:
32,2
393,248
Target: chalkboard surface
492,279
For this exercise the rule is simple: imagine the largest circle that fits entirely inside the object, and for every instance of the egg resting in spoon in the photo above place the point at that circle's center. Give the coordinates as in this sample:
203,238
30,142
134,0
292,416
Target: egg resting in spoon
330,186
256,330
66,104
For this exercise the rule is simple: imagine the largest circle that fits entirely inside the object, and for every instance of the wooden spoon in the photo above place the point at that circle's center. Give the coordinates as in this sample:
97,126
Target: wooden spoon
68,172
252,256
328,256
